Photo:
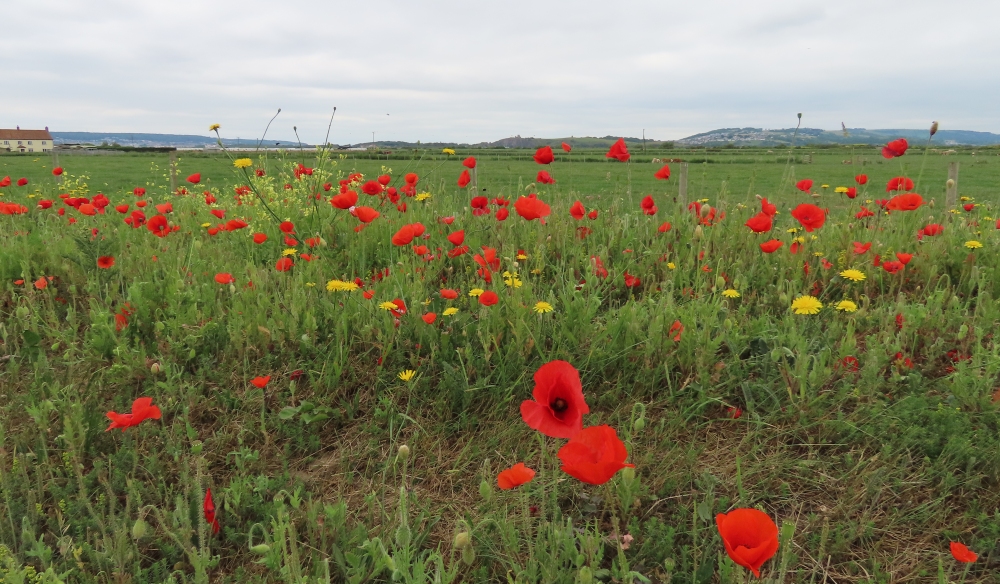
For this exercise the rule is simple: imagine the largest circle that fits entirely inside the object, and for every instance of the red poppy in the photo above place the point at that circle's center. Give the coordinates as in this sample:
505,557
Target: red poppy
750,537
365,214
531,207
577,210
224,278
618,151
861,179
544,155
344,200
861,248
851,192
631,281
208,508
142,409
933,229
456,238
488,298
57,171
140,204
234,224
850,364
515,476
464,179
121,208
599,270
664,227
429,317
794,249
404,236
676,329
663,173
545,178
558,406
469,162
895,148
769,209
382,180
88,209
449,294
899,183
259,238
47,204
219,213
907,202
260,382
647,205
420,250
460,250
804,185
759,223
194,178
284,264
411,178
864,212
158,226
594,455
22,182
502,214
41,283
892,267
810,216
962,553
5,182
105,262
593,215
904,258
447,220
566,147
287,227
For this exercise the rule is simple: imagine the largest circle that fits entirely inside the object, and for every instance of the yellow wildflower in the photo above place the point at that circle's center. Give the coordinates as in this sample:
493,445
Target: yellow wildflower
543,307
806,305
341,286
447,151
476,292
422,196
388,306
973,244
853,275
450,311
406,375
965,199
512,281
730,293
311,284
792,230
289,251
522,256
671,266
825,186
840,190
206,224
847,306
214,127
243,163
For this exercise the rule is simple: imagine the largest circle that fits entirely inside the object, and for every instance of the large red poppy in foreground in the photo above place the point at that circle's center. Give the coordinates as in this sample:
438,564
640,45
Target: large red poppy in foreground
558,406
750,537
594,455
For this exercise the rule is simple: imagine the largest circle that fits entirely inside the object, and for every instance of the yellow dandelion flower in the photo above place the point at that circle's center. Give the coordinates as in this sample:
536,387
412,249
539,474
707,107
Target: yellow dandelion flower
206,224
965,199
289,251
450,311
243,163
537,271
840,190
825,186
522,256
806,305
341,286
800,239
542,307
476,292
214,127
426,302
388,306
512,281
792,230
730,293
422,196
671,266
447,151
818,254
973,244
853,275
847,306
406,375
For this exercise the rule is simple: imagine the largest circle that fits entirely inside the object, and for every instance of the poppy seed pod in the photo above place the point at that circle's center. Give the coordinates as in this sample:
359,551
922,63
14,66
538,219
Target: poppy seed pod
403,453
704,211
934,128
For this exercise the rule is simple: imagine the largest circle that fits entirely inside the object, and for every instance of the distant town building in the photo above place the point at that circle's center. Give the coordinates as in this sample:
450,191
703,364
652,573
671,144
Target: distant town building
19,140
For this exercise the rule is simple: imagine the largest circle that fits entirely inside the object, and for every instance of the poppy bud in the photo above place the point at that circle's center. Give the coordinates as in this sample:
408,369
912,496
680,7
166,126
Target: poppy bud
403,453
728,323
720,282
639,425
197,244
197,446
138,529
951,183
704,211
776,355
22,311
628,473
260,549
669,564
159,326
462,540
232,289
783,298
468,555
934,128
585,575
485,491
962,331
154,368
699,232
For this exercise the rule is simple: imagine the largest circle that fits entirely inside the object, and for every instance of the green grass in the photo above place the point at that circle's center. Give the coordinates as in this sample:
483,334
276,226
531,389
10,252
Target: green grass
872,472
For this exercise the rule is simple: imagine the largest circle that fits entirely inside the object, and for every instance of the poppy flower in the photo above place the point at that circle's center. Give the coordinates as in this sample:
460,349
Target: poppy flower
907,202
457,237
365,214
899,183
121,209
502,214
41,283
22,182
861,248
861,179
219,213
664,227
88,210
469,162
488,298
344,200
404,236
804,185
769,209
577,210
194,178
57,171
460,250
558,406
5,182
566,147
165,208
663,173
224,278
647,205
449,294
480,206
234,224
676,329
904,258
208,508
750,537
382,180
864,212
531,207
545,178
962,553
618,151
809,216
515,476
594,455
771,246
544,155
599,270
892,266
420,250
895,148
631,281
158,226
372,188
933,229
411,178
464,179
260,382
759,223
284,264
259,238
105,262
593,215
429,317
46,204
851,192
142,409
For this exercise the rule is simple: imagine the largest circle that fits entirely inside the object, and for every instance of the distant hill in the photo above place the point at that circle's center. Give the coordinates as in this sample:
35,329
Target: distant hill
786,137
157,140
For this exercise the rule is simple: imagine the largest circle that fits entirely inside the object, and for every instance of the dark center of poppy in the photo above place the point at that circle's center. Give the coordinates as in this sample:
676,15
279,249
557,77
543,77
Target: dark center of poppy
559,405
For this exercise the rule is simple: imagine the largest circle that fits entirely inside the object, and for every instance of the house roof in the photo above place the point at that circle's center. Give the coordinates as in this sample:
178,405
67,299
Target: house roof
25,134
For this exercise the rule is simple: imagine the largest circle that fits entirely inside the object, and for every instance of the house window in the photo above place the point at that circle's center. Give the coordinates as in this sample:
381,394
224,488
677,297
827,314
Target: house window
29,142
18,142
31,149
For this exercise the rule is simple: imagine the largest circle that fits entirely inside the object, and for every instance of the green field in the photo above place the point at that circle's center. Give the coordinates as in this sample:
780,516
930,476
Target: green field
722,402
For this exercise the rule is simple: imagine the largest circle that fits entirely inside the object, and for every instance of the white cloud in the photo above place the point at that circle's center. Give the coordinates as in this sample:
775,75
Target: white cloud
470,71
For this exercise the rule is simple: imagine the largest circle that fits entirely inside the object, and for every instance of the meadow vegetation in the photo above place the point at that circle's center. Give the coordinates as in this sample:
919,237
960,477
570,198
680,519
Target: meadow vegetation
346,435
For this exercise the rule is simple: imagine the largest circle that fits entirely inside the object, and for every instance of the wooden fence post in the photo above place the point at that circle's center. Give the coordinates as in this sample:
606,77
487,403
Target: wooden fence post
951,189
682,186
173,173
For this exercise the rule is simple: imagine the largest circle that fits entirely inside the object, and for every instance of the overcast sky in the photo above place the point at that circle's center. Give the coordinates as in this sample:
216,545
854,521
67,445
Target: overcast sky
475,71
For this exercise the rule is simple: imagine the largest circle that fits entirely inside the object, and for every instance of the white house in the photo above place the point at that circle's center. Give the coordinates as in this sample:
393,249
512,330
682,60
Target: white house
25,140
